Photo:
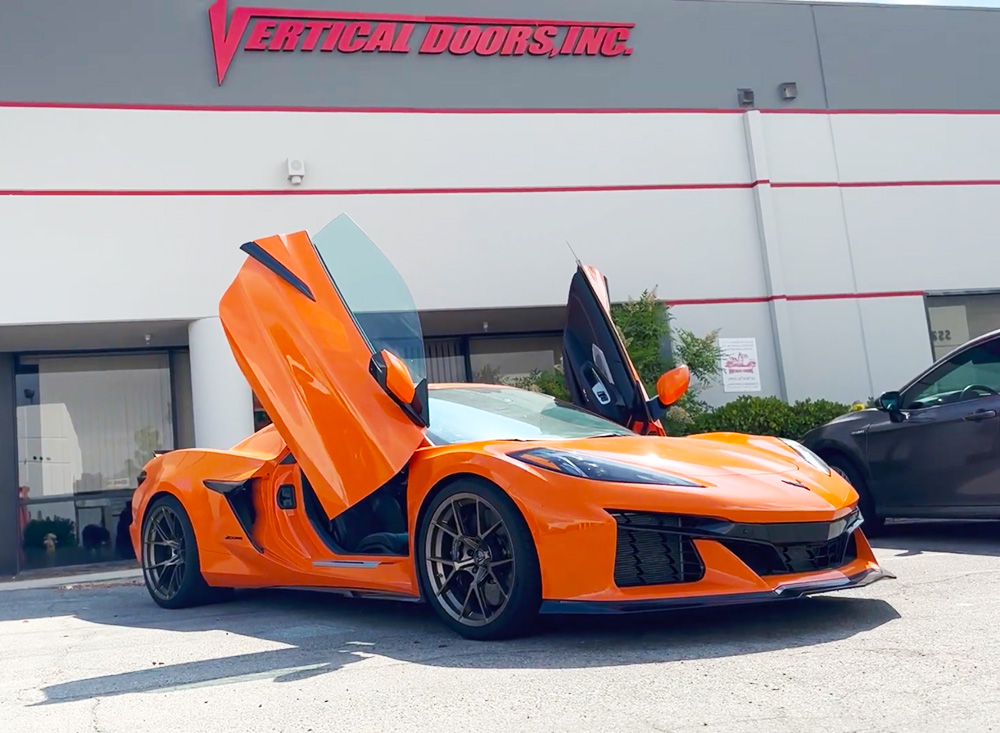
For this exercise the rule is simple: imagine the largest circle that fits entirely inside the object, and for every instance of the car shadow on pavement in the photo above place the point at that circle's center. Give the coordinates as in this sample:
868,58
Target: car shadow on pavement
324,633
965,537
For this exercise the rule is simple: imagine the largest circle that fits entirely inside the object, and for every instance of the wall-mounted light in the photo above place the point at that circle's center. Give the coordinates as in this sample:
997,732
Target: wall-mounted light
296,170
788,90
745,97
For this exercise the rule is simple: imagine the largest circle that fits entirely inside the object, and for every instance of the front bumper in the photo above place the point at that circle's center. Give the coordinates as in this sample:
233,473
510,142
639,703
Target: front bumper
789,591
660,562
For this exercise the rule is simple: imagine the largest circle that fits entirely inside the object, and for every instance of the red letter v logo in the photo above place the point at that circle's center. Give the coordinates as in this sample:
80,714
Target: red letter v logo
224,44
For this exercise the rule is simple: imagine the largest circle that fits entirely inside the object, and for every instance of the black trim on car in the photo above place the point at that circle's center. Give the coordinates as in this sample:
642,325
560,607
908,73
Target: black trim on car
240,500
257,252
791,591
713,528
658,549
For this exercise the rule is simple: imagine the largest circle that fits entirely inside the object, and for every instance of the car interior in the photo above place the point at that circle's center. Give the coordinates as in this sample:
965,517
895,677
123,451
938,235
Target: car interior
376,525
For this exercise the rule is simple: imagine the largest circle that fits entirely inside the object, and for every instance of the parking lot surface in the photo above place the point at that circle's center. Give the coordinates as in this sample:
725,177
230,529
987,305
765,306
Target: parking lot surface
920,653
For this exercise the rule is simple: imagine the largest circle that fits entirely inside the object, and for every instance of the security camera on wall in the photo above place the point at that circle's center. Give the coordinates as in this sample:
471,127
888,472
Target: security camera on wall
296,170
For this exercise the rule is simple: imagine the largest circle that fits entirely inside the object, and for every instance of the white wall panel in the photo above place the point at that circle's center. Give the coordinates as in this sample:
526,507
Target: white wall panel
911,147
799,148
830,356
899,345
115,149
925,237
137,258
812,240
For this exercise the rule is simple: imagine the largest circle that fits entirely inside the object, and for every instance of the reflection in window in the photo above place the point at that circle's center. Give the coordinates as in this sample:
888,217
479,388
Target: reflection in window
445,361
955,319
85,428
506,359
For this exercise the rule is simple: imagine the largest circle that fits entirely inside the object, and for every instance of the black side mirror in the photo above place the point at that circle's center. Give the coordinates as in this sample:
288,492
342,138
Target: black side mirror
891,402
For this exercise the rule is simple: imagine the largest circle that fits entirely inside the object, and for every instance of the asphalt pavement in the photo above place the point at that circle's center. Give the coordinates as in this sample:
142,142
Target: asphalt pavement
919,653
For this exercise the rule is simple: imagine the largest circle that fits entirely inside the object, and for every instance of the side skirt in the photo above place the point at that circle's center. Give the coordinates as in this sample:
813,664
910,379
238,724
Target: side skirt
354,593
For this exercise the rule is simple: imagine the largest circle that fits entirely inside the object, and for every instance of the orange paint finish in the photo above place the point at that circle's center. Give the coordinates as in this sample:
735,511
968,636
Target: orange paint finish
309,366
289,550
574,535
398,378
277,509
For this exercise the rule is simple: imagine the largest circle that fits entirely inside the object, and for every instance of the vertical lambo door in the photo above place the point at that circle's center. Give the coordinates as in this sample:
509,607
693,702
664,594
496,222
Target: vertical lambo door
599,373
327,334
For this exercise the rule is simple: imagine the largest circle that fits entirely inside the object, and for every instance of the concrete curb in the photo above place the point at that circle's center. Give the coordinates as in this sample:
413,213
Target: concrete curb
80,579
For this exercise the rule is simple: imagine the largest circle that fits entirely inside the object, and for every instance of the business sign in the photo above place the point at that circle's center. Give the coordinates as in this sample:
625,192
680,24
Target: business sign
740,368
282,30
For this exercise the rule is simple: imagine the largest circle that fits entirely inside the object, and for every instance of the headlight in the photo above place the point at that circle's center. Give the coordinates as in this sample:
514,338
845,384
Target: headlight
808,456
596,468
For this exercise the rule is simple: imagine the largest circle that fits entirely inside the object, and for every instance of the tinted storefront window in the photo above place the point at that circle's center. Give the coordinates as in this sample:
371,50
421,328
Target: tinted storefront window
85,427
954,319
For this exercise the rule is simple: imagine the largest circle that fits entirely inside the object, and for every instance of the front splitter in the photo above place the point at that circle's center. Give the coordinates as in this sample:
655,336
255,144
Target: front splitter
653,605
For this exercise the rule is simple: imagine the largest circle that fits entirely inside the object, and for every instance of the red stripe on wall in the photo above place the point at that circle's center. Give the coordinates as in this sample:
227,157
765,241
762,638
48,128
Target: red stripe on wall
383,191
881,184
959,112
477,110
489,189
363,110
795,298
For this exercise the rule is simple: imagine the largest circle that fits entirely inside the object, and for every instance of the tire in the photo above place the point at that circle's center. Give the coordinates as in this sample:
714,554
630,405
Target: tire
481,576
874,524
167,541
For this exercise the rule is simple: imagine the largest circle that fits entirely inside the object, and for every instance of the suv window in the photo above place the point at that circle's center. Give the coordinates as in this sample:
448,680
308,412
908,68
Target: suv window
953,381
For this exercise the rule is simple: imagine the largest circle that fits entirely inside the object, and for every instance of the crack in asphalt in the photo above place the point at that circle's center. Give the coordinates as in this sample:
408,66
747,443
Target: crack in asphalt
93,715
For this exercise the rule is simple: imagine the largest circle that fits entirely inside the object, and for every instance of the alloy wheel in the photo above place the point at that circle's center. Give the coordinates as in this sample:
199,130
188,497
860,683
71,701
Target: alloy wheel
164,560
470,559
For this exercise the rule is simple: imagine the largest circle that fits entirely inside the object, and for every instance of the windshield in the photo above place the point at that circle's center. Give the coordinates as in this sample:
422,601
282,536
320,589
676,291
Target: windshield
473,414
374,292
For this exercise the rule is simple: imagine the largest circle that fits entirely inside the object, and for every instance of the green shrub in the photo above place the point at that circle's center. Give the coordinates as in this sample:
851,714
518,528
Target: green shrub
551,381
63,529
768,416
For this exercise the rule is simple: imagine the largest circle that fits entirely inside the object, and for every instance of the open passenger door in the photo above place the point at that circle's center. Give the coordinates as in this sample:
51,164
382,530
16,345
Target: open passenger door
599,373
326,332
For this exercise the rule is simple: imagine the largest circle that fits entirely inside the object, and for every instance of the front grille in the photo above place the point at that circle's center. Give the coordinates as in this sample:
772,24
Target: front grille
658,549
645,554
782,559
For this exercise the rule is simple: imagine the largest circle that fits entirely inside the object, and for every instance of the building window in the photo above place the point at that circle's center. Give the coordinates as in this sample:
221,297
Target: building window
445,360
85,427
488,359
510,357
954,319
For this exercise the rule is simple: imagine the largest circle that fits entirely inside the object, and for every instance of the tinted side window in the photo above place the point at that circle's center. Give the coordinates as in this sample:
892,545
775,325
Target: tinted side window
953,381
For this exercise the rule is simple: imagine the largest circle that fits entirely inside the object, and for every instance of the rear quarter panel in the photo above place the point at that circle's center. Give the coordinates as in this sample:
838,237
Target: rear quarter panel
181,474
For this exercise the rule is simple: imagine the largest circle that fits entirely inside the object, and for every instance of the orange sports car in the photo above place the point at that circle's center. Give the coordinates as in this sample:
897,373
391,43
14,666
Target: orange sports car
490,503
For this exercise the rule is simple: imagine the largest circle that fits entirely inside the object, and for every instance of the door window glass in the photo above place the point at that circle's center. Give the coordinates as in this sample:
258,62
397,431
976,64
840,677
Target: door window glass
969,375
374,292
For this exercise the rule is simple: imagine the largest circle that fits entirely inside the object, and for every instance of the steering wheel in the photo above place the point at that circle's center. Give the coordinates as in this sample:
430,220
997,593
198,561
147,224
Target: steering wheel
977,388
